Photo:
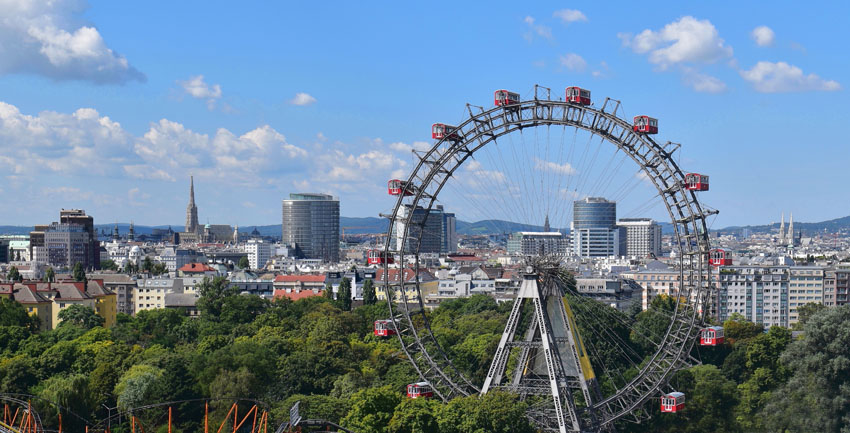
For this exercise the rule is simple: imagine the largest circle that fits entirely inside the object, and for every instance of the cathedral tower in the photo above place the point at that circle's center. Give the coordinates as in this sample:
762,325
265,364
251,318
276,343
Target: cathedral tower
191,209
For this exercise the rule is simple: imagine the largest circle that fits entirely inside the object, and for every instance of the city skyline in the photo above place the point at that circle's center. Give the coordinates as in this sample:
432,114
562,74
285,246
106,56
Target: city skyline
94,117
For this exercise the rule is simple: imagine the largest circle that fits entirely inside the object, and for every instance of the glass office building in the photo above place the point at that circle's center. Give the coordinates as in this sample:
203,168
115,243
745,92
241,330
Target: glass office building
311,226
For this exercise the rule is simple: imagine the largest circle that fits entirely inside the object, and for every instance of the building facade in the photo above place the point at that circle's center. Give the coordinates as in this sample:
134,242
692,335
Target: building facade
759,293
594,229
426,230
538,244
643,237
449,238
67,245
259,253
79,217
805,286
311,225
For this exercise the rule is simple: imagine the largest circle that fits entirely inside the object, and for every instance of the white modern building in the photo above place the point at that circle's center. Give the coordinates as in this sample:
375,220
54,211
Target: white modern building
538,243
149,293
759,293
259,253
643,237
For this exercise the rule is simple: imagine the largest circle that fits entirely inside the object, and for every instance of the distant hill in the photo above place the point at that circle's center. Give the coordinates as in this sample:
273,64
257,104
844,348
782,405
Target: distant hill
361,225
15,230
830,226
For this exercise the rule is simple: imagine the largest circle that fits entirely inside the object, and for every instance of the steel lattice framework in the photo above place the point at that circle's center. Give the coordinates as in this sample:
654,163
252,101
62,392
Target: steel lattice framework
437,165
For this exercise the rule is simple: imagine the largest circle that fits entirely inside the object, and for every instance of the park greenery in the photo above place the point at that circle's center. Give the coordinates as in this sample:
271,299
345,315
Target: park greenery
322,352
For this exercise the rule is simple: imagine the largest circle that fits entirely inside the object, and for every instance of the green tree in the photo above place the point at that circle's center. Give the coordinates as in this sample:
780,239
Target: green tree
371,410
764,373
212,293
817,395
329,291
138,386
70,392
79,272
494,412
14,275
244,263
710,401
369,296
81,316
159,269
147,264
805,312
49,275
108,265
415,415
130,268
12,313
344,296
738,328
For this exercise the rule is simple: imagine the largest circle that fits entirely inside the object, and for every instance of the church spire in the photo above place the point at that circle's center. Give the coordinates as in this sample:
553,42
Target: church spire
790,238
782,230
546,224
191,209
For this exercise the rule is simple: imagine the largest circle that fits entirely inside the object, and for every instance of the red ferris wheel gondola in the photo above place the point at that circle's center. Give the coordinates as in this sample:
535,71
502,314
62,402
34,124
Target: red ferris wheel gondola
646,125
379,257
720,257
440,131
577,95
711,336
419,390
384,328
399,187
505,98
672,402
696,182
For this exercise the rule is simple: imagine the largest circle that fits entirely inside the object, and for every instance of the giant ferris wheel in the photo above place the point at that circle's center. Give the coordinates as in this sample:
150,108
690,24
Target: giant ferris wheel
573,381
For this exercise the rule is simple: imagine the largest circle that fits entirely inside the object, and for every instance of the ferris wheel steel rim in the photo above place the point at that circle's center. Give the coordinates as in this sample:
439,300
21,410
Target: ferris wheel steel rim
436,166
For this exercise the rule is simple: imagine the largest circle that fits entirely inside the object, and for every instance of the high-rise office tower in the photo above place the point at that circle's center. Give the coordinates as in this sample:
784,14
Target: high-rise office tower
91,256
311,225
594,229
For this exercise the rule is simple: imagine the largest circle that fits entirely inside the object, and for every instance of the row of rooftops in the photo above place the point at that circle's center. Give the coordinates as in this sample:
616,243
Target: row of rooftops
29,292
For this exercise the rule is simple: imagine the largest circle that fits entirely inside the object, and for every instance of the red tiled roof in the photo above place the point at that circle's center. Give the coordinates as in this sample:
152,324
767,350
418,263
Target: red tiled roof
299,278
196,267
278,293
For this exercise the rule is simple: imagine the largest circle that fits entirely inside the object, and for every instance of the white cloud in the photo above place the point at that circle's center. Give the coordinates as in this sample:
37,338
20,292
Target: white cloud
169,146
687,40
302,99
536,29
406,148
779,77
564,168
573,62
59,142
142,171
197,88
570,15
51,39
602,71
763,36
702,82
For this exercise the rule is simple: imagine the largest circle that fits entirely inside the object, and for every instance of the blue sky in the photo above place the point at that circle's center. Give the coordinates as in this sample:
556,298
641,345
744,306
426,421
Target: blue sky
109,106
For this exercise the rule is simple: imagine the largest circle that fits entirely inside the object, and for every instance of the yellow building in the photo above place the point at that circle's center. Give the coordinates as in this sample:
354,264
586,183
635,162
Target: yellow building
35,304
428,284
65,294
105,302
